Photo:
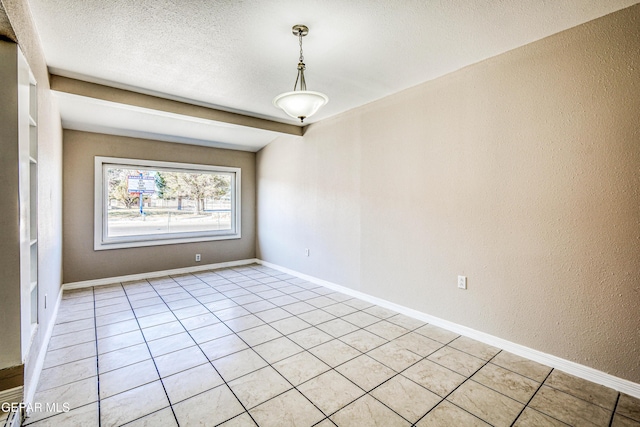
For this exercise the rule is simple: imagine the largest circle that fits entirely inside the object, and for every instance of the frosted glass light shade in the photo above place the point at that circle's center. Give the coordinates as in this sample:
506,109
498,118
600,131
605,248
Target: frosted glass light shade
300,104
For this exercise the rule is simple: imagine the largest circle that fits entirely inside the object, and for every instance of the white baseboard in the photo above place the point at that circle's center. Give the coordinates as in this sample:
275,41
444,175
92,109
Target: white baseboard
573,368
154,274
30,389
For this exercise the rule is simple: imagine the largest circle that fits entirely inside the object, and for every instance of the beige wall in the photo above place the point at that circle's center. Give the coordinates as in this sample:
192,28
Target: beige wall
81,262
49,198
520,172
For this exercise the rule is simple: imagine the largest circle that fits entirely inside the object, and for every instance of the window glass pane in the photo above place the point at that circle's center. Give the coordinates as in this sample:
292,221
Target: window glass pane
146,201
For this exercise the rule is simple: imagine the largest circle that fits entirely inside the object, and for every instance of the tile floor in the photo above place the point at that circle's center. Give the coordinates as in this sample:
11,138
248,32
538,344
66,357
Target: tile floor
253,346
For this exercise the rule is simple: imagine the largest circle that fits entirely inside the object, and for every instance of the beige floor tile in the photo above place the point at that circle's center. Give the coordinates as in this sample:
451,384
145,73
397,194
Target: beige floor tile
406,397
437,333
259,386
620,421
366,372
288,409
278,349
330,391
77,326
242,420
118,328
298,307
133,404
418,344
394,356
474,348
320,302
629,407
238,364
209,408
283,300
489,405
163,417
358,303
532,418
150,310
381,312
290,325
301,367
69,354
161,331
569,409
456,360
83,416
273,314
224,346
258,306
169,344
177,361
231,313
56,401
361,319
506,382
363,340
436,378
113,318
195,309
315,317
522,366
259,335
210,332
199,321
367,411
387,330
448,415
337,327
123,379
186,384
406,321
123,357
585,390
117,342
64,374
310,337
67,340
156,319
334,353
340,309
245,322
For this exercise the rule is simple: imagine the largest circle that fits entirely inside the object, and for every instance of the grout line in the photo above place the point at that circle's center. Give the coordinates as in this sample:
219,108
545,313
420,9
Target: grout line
95,331
613,413
531,398
152,359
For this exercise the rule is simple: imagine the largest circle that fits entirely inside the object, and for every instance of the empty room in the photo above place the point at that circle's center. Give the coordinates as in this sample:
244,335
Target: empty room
320,213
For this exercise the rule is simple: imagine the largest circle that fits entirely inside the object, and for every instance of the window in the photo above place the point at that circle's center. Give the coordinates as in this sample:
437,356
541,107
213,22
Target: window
147,203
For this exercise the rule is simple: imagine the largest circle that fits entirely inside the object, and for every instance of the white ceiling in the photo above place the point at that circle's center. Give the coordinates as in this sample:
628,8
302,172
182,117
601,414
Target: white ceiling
237,55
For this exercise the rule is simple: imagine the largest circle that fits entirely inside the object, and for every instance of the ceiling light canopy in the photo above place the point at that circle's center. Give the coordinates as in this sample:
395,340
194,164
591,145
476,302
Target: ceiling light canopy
300,103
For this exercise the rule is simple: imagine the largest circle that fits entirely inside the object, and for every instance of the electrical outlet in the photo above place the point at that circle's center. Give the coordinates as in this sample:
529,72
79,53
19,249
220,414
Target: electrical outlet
462,282
306,252
197,257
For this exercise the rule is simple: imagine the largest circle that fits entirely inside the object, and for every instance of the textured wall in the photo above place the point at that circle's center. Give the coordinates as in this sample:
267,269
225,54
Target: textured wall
520,172
81,262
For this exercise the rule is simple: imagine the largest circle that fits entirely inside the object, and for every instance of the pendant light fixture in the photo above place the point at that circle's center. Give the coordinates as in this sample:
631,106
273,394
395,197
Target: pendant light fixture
300,103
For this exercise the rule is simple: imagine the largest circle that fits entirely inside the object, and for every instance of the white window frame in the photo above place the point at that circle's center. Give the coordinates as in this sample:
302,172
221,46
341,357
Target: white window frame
101,241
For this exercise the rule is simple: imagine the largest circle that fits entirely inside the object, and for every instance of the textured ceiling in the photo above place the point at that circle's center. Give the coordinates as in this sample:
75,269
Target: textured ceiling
237,55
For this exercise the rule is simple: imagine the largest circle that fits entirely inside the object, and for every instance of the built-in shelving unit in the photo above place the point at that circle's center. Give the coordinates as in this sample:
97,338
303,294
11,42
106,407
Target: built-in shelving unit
33,200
